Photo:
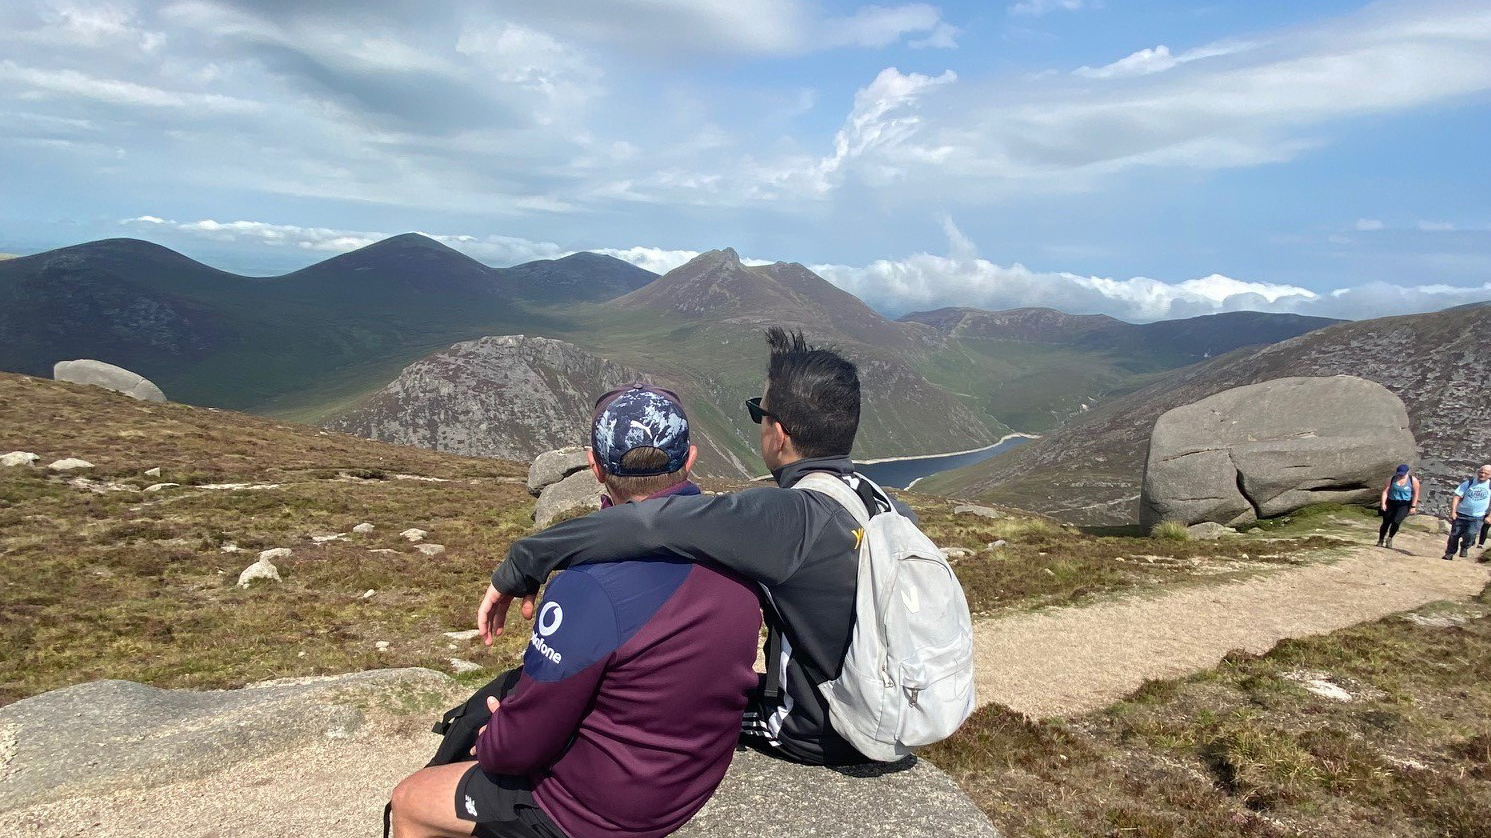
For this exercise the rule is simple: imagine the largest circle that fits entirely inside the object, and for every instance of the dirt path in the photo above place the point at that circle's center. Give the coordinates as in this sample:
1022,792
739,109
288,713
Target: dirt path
1063,662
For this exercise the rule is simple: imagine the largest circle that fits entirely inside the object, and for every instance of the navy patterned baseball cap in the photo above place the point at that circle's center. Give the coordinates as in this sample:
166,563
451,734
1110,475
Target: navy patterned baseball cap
639,416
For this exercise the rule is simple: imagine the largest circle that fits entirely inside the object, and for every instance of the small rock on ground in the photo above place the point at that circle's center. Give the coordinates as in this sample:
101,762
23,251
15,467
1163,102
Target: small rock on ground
363,528
18,458
262,569
69,463
972,509
414,534
430,549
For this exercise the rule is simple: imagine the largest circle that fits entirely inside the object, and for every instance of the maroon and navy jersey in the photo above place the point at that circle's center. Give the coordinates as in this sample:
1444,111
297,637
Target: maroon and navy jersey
628,709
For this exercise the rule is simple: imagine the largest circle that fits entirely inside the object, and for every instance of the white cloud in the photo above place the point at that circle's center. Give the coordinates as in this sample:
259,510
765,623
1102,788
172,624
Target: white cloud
1036,8
943,36
1368,225
35,83
1436,226
707,28
1157,60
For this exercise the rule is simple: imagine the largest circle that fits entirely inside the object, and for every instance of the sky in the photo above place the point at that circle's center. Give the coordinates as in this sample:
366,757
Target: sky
1146,160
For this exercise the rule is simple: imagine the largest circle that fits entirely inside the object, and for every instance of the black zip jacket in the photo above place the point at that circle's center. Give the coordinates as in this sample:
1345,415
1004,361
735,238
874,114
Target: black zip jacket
798,545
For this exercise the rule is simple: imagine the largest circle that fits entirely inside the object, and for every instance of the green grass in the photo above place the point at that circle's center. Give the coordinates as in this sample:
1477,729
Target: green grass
1170,531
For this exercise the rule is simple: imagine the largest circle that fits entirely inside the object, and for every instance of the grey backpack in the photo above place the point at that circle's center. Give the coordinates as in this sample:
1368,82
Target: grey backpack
907,678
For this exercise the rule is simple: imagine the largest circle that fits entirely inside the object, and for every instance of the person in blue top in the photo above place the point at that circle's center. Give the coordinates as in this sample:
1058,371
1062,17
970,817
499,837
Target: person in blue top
1400,498
1469,509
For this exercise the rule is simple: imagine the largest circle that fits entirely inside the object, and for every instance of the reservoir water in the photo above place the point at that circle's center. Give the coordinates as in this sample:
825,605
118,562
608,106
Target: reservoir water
899,474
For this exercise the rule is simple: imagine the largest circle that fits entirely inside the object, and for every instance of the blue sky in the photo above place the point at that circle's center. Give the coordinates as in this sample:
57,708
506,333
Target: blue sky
1144,160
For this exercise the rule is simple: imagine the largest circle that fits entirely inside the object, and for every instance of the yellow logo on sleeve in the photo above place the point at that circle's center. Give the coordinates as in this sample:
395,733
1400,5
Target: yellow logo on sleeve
859,536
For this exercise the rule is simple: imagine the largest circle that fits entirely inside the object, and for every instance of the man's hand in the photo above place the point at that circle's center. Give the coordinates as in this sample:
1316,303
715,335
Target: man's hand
492,705
493,613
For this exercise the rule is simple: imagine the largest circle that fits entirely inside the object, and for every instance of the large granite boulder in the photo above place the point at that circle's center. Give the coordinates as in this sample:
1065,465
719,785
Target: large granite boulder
106,735
578,491
1268,449
108,376
551,467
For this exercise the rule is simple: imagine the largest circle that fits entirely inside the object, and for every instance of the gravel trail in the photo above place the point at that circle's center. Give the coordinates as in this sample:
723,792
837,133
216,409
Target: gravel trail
1067,661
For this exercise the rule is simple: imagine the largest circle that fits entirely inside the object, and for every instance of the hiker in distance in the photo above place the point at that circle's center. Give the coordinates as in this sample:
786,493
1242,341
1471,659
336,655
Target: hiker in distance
1400,498
626,712
1470,510
804,549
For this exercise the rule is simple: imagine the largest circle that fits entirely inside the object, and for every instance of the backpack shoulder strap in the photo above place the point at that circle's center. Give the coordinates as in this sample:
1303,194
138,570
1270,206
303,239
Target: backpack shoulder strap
827,484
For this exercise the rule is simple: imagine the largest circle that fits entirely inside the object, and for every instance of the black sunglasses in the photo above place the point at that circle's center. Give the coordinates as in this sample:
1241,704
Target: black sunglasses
758,412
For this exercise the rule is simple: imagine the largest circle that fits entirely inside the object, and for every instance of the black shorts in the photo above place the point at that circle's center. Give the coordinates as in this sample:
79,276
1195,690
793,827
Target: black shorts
501,806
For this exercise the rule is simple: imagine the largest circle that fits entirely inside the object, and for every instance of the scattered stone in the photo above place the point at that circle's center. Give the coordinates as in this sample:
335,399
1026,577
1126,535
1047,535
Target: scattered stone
421,478
262,569
468,634
326,539
995,545
461,667
1209,531
228,487
18,458
276,553
551,467
431,549
154,472
1253,530
578,491
1265,450
155,737
384,550
69,464
381,645
368,594
971,509
363,528
414,534
109,377
955,552
156,487
230,547
1320,684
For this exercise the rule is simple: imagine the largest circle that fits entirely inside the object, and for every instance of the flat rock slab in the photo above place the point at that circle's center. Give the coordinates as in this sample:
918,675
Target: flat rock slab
108,735
337,786
764,796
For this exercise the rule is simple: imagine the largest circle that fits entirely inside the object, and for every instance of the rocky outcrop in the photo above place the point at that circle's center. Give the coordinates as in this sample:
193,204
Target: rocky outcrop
511,396
578,491
108,376
1090,469
1268,449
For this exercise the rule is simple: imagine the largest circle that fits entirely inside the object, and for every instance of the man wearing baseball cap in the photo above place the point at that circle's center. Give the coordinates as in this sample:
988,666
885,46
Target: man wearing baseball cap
626,711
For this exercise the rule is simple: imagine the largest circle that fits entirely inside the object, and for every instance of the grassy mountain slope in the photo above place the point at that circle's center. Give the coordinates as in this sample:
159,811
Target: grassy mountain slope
701,327
1032,368
1089,470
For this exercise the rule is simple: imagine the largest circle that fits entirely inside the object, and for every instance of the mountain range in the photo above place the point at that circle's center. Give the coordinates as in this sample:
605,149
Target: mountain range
380,340
1089,470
